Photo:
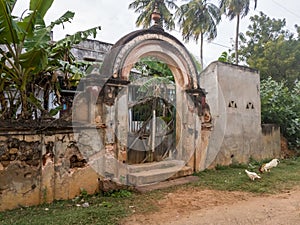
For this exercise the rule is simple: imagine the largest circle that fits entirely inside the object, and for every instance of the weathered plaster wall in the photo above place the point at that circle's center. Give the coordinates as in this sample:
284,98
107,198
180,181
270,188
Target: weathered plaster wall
38,168
234,100
270,141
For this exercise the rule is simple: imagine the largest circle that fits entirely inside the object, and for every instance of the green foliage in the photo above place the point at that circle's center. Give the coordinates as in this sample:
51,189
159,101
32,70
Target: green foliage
236,9
150,66
29,59
146,7
275,52
83,193
271,49
152,90
281,105
226,57
198,19
106,204
158,74
55,110
152,86
223,57
118,194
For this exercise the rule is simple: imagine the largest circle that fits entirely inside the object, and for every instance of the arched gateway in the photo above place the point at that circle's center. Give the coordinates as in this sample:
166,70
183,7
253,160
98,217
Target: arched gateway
110,146
151,42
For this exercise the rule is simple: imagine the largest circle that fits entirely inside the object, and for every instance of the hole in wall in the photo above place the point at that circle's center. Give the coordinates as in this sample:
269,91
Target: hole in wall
75,161
249,105
232,104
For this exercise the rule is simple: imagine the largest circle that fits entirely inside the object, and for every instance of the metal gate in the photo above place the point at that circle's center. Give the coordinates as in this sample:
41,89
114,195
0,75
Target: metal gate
152,123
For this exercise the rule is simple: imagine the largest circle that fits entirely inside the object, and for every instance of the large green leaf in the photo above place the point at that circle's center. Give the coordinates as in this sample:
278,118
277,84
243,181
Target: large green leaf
35,60
35,101
26,26
34,20
56,110
40,38
36,57
67,17
11,4
41,6
76,38
9,28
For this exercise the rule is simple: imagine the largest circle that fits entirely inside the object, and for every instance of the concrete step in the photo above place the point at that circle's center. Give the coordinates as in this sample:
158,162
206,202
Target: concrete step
151,174
167,184
155,165
183,172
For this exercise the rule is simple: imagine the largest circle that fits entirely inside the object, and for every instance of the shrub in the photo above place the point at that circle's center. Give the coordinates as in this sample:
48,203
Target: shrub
281,105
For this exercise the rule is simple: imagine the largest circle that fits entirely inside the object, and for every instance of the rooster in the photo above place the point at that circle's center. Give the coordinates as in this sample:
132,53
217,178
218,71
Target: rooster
267,166
252,175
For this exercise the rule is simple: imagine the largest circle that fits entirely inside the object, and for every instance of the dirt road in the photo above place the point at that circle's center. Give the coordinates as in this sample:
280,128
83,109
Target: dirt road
197,207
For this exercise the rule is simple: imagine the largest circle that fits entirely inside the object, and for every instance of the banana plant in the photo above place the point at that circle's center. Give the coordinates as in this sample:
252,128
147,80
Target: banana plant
29,59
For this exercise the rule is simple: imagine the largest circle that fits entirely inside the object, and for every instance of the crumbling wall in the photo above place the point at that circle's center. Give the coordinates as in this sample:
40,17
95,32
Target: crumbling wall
91,50
39,168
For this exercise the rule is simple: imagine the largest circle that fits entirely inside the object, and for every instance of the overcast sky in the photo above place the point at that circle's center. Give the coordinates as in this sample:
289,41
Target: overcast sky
116,20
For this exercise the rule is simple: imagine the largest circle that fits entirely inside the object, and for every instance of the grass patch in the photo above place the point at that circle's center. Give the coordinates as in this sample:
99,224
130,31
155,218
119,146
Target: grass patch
107,209
100,211
111,207
233,177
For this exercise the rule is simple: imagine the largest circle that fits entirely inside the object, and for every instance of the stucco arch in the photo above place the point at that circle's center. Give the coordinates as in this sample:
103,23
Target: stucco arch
159,44
102,100
151,42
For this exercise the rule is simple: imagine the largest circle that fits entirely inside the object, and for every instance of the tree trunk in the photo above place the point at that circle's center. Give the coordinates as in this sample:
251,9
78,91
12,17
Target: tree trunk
3,105
46,97
24,108
201,50
237,39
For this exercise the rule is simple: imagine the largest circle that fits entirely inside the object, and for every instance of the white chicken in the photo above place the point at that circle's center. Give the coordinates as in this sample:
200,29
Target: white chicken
267,166
252,175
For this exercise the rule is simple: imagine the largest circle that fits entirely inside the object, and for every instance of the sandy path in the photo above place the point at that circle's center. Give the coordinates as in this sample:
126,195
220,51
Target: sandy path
196,207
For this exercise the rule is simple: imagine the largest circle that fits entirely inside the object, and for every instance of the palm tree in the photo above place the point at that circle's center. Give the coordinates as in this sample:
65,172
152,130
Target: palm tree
197,19
146,8
238,9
